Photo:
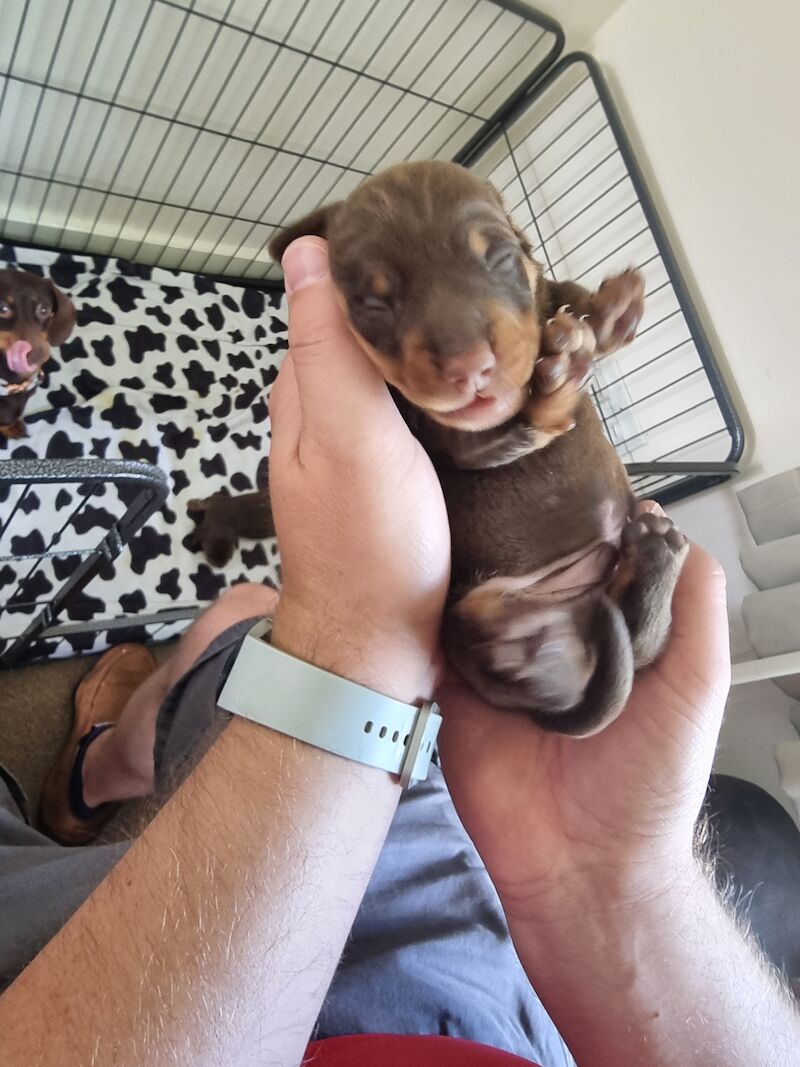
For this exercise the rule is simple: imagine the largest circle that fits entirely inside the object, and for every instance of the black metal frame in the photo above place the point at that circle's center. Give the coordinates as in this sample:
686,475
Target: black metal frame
696,477
88,475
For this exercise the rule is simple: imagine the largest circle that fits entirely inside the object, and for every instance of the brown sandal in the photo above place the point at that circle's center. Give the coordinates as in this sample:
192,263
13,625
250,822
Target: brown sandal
99,700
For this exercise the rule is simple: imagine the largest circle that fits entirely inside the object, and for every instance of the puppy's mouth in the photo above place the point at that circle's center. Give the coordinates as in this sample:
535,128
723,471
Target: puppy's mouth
19,359
485,410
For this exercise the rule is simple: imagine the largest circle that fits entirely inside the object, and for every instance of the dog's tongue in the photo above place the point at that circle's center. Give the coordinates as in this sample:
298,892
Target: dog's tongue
17,358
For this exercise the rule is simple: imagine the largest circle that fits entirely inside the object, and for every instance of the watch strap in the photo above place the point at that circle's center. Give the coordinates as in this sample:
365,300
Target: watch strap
322,709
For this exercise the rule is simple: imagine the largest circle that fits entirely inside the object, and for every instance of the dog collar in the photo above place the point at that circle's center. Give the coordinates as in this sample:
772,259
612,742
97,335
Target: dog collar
14,388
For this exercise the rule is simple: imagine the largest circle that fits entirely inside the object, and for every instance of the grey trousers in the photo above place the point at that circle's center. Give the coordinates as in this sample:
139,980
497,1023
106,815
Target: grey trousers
429,952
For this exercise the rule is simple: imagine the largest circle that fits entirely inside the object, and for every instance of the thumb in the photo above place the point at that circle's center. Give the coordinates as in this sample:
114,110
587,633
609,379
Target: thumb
337,386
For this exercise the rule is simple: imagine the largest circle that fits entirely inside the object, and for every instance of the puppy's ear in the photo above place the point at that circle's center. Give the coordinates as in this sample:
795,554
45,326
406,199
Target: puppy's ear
524,243
314,225
63,321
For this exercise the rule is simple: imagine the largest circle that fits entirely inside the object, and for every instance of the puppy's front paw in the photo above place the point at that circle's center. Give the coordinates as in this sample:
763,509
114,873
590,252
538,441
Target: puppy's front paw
566,353
616,309
564,365
15,431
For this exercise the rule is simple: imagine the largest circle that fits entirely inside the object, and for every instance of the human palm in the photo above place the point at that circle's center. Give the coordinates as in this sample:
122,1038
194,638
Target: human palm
542,807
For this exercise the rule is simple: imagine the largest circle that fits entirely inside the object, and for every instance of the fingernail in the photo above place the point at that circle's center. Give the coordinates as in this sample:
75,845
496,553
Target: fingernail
304,262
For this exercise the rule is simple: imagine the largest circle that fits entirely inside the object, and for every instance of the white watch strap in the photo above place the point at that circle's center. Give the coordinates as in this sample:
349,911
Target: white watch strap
301,700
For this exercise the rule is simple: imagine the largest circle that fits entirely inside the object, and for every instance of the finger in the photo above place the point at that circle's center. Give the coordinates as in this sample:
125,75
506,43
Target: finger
284,414
338,387
700,623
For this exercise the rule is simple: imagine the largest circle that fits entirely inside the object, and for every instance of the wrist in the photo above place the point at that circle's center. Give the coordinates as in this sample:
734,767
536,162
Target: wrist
394,664
599,891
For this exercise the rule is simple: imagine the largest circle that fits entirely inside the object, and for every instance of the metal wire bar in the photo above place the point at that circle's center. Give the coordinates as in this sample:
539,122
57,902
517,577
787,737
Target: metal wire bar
597,232
120,196
269,118
137,125
554,141
109,111
330,118
13,57
534,220
643,366
457,131
613,252
187,124
204,124
663,422
221,147
330,189
299,118
54,540
76,103
585,175
38,107
14,510
657,392
168,127
592,203
284,44
352,125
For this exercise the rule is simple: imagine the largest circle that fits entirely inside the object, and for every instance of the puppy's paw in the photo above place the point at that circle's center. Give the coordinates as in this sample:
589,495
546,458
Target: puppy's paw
566,352
616,310
15,431
563,367
648,533
197,507
652,552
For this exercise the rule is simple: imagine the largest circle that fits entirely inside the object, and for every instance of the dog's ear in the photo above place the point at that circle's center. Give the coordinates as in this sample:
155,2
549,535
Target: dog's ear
524,243
315,224
63,321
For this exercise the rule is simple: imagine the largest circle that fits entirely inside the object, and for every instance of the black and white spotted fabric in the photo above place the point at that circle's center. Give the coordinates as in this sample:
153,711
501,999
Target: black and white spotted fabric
165,367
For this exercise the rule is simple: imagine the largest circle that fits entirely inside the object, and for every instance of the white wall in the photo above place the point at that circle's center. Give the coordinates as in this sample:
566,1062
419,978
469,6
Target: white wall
710,98
580,19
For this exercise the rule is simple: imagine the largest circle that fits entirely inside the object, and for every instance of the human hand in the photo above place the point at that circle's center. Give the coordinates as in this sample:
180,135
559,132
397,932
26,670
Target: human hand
558,819
359,514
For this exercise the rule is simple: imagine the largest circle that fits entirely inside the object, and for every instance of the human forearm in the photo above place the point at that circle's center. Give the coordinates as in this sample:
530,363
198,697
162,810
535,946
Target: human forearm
246,885
655,974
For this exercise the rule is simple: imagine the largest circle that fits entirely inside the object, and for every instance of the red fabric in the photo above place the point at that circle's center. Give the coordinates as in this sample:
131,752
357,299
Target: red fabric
392,1050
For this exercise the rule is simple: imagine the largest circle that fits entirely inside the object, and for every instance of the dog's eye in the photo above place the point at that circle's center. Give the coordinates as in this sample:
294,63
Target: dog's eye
4,308
373,303
44,310
501,257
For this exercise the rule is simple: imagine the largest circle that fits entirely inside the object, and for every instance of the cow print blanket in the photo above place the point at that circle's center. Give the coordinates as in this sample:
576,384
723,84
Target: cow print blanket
165,367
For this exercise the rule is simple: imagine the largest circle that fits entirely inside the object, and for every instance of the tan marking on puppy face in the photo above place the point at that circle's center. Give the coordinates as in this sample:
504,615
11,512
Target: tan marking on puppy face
380,283
478,242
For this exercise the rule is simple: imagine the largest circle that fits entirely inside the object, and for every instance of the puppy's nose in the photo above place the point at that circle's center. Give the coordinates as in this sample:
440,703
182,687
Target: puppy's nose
472,369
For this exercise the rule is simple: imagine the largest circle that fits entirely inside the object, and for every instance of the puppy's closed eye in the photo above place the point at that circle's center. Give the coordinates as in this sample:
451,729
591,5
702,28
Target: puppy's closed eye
372,303
502,256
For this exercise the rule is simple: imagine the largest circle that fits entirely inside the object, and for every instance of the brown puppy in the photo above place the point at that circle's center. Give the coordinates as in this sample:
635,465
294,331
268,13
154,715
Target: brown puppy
34,314
222,519
558,593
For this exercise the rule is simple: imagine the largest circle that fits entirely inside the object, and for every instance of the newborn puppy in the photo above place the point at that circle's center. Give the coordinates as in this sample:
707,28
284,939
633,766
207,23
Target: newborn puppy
33,316
558,592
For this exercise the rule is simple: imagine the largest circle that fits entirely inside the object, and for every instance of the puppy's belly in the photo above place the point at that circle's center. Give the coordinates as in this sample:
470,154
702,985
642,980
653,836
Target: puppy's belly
500,529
